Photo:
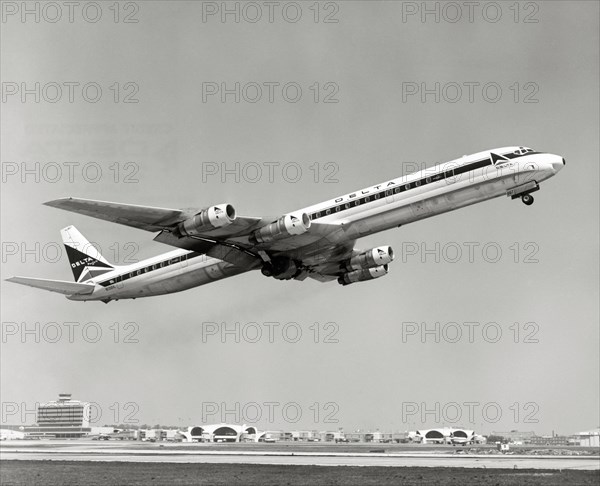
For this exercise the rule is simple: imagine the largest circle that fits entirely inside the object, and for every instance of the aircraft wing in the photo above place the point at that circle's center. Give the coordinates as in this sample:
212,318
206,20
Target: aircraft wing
166,220
231,243
147,218
60,286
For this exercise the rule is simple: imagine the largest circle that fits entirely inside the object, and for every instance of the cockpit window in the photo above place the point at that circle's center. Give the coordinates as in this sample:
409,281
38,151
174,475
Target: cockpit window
522,151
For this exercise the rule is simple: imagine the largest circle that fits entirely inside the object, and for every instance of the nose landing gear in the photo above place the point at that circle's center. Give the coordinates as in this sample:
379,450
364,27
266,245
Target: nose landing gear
527,199
524,192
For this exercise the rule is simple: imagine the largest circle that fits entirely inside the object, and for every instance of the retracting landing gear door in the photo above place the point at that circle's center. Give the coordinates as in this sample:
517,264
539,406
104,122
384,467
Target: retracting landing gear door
519,191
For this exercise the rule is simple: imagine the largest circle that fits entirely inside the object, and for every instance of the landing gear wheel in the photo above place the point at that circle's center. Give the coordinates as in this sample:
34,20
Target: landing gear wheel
527,199
267,270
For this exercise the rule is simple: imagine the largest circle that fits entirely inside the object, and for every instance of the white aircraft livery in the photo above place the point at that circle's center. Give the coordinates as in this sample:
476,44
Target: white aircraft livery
316,242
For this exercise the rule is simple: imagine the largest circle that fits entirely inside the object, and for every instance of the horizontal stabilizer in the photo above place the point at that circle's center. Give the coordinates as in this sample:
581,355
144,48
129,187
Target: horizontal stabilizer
60,286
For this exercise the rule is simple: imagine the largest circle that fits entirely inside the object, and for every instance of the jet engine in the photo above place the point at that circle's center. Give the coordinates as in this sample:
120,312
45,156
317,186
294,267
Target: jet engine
207,220
375,257
284,227
362,275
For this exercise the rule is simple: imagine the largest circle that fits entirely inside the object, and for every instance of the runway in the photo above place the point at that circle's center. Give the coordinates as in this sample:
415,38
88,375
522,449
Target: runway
120,453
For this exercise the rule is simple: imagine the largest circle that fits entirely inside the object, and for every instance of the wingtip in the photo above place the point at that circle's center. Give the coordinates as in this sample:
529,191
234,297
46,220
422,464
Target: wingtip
56,202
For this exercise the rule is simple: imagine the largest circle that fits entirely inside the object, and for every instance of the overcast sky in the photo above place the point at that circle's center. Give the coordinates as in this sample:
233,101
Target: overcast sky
542,287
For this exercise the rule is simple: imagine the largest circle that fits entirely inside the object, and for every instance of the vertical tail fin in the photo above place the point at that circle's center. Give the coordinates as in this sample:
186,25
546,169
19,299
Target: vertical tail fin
86,261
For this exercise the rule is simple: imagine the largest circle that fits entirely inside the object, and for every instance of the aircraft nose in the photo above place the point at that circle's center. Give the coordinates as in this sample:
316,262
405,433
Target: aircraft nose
558,163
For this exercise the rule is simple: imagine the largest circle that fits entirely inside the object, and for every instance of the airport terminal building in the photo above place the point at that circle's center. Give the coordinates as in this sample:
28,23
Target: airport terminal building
64,418
445,435
220,433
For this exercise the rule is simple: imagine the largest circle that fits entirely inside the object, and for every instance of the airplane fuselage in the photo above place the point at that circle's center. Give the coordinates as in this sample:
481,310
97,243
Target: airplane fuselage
445,187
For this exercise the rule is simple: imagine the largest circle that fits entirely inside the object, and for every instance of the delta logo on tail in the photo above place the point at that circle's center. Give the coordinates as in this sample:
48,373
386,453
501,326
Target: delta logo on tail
80,262
85,259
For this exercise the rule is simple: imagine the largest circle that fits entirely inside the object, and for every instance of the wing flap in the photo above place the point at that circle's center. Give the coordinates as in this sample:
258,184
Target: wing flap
242,225
60,286
322,278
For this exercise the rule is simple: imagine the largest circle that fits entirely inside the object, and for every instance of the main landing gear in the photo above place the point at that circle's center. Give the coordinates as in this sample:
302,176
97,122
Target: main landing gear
527,199
280,268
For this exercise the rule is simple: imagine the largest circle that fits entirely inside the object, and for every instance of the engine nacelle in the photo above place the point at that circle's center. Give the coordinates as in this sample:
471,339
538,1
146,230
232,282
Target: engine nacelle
207,220
375,257
284,227
362,275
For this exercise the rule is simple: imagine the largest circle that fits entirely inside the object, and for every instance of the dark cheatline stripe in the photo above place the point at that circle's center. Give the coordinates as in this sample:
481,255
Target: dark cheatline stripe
150,268
396,189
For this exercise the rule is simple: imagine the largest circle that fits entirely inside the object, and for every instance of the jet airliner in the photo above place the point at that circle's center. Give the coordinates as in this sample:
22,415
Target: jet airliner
315,242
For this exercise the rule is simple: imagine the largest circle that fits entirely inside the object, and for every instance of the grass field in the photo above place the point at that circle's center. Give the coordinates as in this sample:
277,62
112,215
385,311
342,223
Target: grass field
109,473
